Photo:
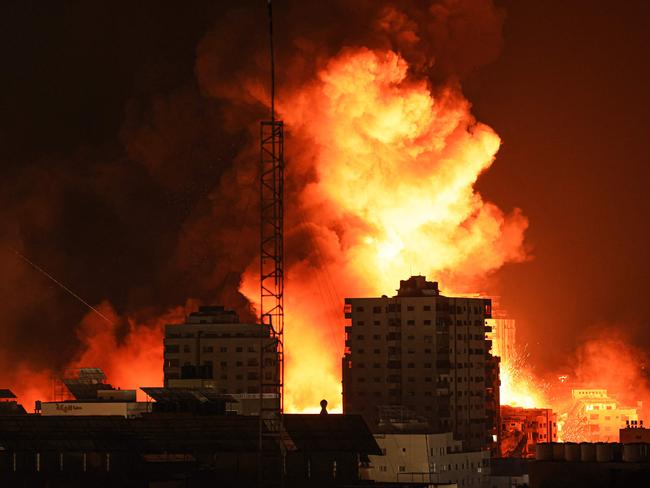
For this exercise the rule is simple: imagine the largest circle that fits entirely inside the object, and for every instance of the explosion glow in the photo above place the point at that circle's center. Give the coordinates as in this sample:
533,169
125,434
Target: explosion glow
518,388
395,162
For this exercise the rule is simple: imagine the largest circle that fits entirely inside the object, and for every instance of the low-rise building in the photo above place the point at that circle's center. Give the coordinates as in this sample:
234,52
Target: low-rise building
88,394
523,428
634,431
596,417
437,459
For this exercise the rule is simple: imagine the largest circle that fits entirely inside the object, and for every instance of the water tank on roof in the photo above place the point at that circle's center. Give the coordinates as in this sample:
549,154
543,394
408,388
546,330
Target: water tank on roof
587,452
571,451
558,451
544,451
604,452
632,453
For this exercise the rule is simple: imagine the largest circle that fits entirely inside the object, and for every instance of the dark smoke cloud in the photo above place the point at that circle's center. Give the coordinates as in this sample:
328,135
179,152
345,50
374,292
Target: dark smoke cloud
128,136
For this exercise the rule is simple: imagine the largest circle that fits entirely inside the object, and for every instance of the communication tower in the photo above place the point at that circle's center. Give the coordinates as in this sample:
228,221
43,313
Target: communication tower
271,374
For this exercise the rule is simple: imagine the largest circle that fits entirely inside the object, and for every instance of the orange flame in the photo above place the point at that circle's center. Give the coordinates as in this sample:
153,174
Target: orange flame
395,161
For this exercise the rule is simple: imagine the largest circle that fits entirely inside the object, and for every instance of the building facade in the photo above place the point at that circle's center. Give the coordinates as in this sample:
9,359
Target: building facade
213,349
436,459
596,417
419,356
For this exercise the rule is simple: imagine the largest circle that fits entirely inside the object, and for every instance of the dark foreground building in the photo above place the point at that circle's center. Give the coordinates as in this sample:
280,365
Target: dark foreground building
177,450
592,465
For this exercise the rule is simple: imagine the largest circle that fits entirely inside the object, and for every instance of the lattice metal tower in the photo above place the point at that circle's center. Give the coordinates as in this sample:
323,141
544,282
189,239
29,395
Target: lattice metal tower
271,375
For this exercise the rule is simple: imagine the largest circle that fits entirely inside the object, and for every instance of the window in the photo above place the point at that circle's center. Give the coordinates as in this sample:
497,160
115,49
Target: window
172,363
208,349
376,351
410,308
359,309
410,322
223,364
427,308
171,348
410,365
239,349
186,348
376,337
360,322
402,469
223,349
376,309
427,322
360,337
240,363
251,349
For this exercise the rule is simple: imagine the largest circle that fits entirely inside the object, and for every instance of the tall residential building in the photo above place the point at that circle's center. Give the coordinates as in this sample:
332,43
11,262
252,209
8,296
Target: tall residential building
211,348
502,334
421,358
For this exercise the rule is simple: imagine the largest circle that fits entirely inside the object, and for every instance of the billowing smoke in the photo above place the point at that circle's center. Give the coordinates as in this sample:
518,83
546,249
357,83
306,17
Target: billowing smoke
383,154
382,159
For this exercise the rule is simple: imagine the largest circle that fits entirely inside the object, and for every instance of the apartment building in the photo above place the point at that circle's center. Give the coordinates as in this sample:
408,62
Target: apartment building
213,349
597,417
420,356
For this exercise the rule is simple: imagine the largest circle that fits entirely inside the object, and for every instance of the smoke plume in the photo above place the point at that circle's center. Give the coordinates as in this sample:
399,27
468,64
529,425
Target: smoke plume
161,207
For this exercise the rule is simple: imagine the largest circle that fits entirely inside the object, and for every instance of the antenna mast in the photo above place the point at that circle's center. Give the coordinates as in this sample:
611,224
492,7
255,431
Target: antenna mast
271,374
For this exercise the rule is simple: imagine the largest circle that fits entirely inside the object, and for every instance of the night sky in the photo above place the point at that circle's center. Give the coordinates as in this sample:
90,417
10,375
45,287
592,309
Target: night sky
569,97
109,206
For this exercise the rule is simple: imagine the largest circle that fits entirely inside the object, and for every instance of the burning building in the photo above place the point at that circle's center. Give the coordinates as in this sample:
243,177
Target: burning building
594,416
502,333
523,428
419,357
